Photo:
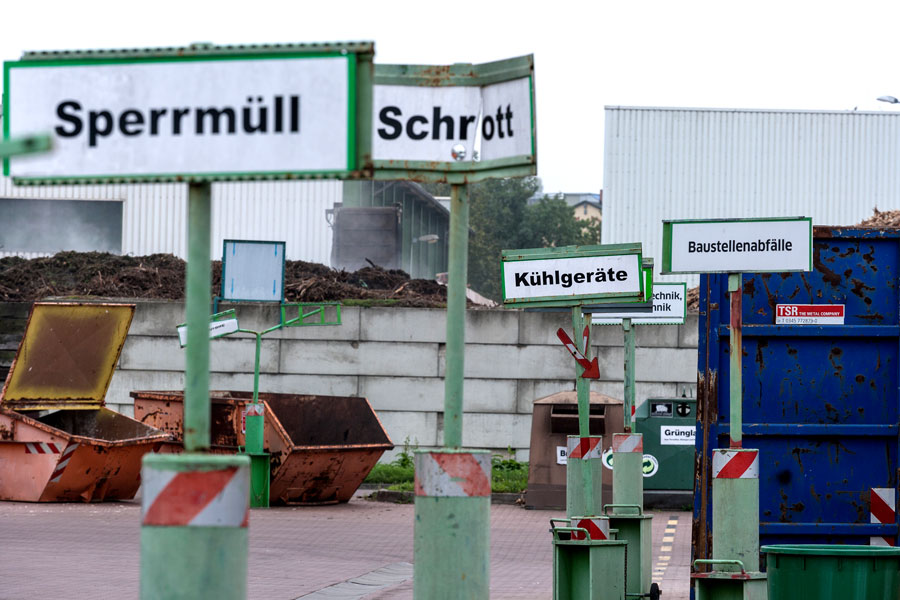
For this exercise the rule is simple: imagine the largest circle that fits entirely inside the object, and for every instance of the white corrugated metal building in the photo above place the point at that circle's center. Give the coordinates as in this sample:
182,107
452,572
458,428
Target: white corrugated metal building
154,216
681,163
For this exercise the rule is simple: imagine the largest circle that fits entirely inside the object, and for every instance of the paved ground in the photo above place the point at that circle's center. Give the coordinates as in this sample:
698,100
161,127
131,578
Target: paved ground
361,550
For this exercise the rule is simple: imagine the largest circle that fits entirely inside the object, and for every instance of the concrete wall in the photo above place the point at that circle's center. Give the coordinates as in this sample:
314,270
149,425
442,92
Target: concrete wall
396,358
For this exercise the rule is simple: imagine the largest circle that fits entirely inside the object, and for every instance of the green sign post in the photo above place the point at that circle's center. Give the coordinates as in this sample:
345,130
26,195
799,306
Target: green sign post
574,277
735,246
197,115
455,124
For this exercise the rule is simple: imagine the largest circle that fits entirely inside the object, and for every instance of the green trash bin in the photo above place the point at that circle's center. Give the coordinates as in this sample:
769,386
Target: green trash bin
832,572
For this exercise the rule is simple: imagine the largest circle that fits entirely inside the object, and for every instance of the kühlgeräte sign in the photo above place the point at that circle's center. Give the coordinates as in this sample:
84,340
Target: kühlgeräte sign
735,246
167,116
669,308
572,275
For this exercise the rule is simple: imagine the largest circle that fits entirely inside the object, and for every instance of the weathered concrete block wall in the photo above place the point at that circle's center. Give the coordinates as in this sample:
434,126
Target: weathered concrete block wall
396,358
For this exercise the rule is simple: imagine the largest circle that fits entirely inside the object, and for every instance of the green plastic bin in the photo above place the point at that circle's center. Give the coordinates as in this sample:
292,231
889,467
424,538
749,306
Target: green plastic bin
832,572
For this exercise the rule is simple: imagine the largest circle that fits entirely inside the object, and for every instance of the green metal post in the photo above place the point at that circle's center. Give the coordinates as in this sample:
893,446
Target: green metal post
255,443
456,315
735,350
451,542
191,546
583,470
451,545
196,370
628,328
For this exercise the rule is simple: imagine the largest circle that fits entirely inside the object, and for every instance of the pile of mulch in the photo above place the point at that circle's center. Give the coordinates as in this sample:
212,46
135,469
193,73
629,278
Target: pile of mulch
162,277
887,218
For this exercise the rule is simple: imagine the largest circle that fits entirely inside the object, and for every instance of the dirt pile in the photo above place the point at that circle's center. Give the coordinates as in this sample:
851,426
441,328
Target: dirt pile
162,277
887,218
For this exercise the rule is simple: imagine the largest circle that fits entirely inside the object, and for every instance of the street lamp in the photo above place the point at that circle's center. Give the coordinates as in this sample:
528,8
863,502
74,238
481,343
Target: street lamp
888,99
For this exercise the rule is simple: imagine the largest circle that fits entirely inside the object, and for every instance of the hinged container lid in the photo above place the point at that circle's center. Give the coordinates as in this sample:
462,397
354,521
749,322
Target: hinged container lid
67,356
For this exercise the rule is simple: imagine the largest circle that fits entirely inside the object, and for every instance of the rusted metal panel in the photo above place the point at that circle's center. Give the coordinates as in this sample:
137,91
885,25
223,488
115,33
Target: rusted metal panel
321,447
57,442
820,402
67,356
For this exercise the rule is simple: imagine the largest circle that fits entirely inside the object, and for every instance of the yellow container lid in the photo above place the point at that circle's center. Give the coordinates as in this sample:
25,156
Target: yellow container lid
67,357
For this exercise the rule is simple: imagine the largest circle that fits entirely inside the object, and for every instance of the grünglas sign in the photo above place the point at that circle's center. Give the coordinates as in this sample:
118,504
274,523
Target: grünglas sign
572,275
165,117
413,123
735,246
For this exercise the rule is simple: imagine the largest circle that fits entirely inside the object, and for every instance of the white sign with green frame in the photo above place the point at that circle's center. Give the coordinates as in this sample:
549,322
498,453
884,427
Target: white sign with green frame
572,275
237,112
735,246
434,123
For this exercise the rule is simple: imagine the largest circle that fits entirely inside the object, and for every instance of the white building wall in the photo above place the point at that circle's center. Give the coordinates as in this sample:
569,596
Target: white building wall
666,163
154,216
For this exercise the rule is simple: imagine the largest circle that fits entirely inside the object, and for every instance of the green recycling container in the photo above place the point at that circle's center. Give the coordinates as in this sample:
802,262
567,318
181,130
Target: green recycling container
832,572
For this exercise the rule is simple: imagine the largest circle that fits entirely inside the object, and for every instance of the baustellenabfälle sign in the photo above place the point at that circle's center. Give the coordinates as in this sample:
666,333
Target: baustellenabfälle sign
740,245
573,274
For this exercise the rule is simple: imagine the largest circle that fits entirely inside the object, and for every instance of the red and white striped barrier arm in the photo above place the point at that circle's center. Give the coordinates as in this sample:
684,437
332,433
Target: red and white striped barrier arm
884,510
598,529
584,448
628,442
43,448
216,498
63,462
453,474
735,464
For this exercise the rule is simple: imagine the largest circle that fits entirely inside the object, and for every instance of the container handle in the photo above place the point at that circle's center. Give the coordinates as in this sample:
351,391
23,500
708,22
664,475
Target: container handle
553,521
556,531
719,561
640,511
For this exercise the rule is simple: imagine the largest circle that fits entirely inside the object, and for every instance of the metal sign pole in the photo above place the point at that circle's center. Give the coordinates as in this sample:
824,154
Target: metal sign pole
453,487
628,330
735,350
185,554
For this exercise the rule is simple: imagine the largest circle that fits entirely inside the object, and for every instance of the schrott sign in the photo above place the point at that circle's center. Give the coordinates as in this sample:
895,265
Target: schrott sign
285,113
744,245
432,122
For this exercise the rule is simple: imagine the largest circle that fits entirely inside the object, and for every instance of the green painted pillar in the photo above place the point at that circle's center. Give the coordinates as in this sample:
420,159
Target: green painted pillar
194,517
196,369
581,470
627,510
451,543
456,315
736,506
584,463
195,507
628,471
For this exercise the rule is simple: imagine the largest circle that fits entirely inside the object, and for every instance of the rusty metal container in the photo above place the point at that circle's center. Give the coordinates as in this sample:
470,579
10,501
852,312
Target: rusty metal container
57,440
321,447
554,418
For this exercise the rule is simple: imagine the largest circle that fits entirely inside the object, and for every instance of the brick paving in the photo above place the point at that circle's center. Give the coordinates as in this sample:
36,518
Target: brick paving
78,551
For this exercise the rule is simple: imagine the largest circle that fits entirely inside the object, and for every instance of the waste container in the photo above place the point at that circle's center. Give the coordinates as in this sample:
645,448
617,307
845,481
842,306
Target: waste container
832,572
321,447
555,417
669,427
58,442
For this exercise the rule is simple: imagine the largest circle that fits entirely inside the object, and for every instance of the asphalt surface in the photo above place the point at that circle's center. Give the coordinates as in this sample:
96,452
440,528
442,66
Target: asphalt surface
359,550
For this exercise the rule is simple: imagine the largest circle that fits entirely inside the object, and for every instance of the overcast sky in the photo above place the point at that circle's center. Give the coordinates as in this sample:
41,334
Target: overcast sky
588,54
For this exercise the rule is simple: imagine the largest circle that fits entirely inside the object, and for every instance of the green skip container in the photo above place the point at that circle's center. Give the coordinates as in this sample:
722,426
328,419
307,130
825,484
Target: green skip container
832,572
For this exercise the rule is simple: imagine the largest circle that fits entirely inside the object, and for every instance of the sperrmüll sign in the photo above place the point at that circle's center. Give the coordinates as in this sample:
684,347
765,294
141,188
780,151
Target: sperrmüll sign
735,246
164,114
573,274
